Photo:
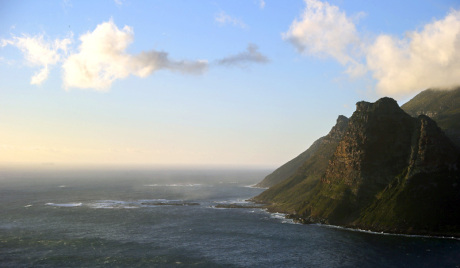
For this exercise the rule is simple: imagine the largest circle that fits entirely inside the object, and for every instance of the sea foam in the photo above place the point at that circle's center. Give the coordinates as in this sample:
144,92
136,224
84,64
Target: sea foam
67,205
113,204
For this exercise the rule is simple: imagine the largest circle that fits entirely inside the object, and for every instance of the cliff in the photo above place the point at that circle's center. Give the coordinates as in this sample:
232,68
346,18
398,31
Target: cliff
388,172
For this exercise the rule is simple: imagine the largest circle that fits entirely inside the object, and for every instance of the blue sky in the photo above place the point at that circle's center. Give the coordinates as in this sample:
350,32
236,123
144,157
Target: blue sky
233,83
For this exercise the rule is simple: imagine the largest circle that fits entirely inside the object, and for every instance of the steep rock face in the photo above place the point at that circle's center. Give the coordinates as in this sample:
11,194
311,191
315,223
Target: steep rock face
290,191
388,172
377,139
290,168
443,106
432,150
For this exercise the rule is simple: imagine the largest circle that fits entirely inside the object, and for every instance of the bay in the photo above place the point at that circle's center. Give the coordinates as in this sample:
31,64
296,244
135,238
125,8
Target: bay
144,217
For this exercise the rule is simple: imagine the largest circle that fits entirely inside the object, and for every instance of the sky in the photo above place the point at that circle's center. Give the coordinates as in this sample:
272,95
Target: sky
197,83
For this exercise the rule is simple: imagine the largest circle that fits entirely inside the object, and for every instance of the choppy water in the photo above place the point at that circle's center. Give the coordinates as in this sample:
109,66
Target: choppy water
163,218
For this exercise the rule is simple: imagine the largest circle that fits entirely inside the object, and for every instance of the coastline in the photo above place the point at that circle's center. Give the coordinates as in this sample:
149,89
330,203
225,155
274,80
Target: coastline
364,229
370,229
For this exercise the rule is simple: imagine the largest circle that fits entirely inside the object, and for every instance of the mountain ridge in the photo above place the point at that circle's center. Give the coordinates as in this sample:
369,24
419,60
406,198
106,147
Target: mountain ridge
384,166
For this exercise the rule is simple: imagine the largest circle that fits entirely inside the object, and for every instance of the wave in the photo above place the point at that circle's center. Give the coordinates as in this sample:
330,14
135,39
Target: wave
383,233
119,204
165,202
282,217
67,205
113,204
234,201
255,187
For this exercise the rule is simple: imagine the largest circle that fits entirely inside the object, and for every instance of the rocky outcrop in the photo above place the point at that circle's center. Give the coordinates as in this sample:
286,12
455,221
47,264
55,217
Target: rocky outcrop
387,172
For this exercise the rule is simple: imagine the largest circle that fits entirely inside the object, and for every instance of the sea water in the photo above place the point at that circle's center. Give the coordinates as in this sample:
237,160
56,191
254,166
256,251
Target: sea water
108,217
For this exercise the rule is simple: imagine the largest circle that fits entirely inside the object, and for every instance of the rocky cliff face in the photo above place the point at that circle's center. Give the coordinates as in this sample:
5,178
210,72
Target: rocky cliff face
388,171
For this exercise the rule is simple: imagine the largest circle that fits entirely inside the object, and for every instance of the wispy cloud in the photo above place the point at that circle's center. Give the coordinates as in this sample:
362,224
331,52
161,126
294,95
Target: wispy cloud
102,59
242,59
39,52
261,4
400,66
224,19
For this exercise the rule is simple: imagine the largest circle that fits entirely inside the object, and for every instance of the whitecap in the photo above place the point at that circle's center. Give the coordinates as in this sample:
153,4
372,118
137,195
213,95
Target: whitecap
282,217
113,204
383,233
27,206
165,202
67,205
234,201
255,187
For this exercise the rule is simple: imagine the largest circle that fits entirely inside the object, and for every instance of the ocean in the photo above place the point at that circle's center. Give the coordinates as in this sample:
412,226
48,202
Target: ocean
140,217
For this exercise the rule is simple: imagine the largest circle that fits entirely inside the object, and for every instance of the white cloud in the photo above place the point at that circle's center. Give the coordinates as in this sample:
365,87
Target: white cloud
102,59
423,59
224,19
251,55
39,52
323,30
426,58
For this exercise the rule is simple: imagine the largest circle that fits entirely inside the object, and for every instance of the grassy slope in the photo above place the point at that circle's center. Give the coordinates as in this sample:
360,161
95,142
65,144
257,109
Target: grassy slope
288,169
291,193
442,106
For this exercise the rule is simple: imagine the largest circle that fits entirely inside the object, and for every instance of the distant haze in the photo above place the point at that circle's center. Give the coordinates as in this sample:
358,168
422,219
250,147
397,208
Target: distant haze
224,83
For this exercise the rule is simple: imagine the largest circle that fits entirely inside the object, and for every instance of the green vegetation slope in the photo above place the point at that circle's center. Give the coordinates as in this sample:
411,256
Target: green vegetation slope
388,172
443,106
290,168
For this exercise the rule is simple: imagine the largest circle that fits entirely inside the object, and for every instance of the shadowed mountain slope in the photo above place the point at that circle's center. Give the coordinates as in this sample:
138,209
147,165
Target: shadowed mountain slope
443,106
387,172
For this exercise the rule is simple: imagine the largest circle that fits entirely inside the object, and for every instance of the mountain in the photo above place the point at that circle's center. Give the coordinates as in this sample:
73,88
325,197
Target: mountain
290,192
290,168
388,171
443,106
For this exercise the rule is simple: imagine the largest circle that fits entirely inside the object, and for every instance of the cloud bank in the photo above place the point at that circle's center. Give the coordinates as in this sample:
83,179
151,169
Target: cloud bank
242,59
426,58
102,59
401,66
